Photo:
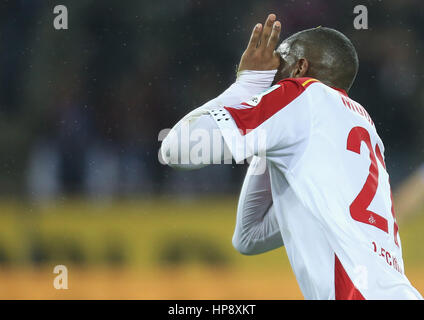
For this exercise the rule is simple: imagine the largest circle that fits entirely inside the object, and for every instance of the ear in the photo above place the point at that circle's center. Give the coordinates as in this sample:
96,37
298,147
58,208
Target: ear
301,68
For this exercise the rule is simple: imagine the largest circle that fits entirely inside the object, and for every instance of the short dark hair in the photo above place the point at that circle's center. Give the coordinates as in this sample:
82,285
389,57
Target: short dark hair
331,55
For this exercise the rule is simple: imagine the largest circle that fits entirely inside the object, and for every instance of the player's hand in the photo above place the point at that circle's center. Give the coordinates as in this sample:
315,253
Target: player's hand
260,54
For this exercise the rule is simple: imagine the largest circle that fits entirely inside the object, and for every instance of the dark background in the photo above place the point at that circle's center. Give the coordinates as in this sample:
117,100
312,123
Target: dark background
81,109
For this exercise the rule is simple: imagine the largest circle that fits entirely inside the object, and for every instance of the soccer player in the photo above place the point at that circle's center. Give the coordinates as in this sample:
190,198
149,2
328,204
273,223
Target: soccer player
317,182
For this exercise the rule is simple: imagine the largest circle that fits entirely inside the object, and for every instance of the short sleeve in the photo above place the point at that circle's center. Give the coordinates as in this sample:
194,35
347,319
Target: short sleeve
274,124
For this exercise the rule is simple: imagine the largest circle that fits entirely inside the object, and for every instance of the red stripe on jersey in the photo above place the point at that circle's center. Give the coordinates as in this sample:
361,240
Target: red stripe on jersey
270,104
344,287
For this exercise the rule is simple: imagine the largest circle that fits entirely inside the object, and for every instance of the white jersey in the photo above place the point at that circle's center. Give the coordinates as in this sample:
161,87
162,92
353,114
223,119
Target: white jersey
330,188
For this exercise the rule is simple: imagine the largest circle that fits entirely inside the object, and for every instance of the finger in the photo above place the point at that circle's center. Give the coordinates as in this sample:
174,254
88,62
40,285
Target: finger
275,36
266,33
255,37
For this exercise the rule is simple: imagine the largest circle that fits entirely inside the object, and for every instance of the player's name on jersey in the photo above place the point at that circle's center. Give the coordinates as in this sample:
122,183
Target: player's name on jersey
356,107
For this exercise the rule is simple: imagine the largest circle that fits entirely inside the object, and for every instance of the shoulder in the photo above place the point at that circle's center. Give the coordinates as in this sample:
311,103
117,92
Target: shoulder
291,88
282,96
276,97
282,93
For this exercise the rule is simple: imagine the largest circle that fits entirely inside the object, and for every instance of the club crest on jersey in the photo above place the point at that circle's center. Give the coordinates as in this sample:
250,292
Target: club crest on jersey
257,99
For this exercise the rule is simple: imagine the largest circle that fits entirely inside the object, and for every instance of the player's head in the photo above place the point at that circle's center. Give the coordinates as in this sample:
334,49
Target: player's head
322,53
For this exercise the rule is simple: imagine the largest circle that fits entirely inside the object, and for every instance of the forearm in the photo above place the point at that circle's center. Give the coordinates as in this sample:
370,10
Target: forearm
257,229
248,84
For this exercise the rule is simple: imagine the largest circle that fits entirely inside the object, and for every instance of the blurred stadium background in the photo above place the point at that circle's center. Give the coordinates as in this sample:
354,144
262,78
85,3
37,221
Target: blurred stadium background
80,114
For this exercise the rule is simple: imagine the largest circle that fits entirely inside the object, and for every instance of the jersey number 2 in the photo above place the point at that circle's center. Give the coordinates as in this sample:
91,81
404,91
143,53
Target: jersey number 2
359,207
